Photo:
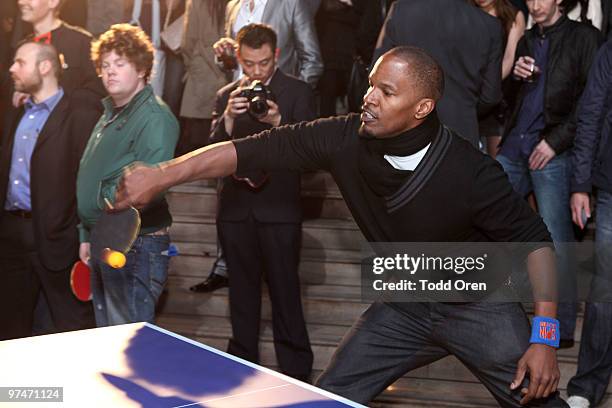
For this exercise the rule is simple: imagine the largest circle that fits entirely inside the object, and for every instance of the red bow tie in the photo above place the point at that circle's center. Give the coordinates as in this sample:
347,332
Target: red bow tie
44,38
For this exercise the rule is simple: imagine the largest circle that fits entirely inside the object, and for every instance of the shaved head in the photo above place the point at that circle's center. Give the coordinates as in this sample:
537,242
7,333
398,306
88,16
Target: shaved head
425,72
45,52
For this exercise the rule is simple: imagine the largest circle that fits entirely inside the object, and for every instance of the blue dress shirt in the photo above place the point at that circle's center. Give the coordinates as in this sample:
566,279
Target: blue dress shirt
26,135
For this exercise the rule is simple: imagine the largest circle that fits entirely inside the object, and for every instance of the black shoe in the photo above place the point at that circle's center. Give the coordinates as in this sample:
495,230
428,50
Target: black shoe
212,283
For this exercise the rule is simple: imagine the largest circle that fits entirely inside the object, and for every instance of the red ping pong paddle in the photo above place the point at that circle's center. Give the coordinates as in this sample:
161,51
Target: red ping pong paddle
80,282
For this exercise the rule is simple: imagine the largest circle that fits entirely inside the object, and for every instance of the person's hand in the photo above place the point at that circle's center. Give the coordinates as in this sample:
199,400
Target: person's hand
580,204
85,252
541,362
19,98
273,117
224,45
138,186
236,104
541,155
524,67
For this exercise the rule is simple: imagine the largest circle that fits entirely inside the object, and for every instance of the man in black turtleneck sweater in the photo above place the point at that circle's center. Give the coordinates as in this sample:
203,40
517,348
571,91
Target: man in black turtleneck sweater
405,178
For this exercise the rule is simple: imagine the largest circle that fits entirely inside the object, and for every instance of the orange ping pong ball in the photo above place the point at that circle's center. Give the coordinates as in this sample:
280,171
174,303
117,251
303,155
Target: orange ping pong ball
114,259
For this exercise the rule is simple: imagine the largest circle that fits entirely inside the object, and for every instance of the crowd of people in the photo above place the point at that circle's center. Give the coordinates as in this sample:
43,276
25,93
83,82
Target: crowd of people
512,99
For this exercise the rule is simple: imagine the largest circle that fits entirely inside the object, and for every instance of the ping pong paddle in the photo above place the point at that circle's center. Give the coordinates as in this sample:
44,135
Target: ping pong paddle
113,236
80,281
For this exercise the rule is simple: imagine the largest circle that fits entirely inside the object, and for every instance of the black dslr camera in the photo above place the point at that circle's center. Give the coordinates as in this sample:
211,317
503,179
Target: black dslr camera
257,94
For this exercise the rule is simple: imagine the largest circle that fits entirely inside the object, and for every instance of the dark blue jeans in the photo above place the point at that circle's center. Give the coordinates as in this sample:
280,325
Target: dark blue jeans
595,359
385,343
551,187
129,294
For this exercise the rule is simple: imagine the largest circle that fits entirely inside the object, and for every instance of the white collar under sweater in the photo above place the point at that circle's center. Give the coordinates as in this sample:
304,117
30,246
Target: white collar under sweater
407,162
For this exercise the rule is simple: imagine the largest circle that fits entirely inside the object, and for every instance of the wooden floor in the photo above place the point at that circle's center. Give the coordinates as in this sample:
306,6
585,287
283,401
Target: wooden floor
330,275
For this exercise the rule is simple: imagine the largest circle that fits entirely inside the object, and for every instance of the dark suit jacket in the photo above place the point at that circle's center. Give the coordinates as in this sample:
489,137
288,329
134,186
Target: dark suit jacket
53,170
465,41
278,200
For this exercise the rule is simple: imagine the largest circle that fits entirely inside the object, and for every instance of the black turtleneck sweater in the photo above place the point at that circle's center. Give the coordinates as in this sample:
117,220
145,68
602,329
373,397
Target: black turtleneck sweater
380,176
455,194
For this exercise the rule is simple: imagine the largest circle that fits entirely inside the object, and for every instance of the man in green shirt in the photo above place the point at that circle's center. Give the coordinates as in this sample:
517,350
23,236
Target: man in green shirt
135,126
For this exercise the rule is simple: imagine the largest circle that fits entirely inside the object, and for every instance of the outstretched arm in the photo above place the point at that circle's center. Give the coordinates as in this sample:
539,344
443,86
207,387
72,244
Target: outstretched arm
141,183
303,146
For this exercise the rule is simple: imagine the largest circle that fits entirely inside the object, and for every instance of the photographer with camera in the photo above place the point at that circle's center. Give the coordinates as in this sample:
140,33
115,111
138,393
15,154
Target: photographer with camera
259,214
293,23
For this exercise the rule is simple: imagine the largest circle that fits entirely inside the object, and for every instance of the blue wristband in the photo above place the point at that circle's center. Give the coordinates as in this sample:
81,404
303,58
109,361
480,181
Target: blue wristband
545,330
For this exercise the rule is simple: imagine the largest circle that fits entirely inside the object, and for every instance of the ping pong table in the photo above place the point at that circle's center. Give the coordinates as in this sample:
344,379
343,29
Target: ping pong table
142,365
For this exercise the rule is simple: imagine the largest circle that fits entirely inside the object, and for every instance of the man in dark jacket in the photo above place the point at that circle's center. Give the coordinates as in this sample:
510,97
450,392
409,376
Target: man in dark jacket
466,42
259,216
42,144
78,74
592,168
293,22
553,61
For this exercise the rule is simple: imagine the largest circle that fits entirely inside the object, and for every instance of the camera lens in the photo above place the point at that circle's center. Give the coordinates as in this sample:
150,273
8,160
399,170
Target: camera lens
258,107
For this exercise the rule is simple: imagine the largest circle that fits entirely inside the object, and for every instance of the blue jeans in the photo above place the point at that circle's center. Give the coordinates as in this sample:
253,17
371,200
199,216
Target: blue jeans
595,358
551,187
129,294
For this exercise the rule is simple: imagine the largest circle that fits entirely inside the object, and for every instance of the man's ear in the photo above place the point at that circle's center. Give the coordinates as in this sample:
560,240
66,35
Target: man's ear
424,108
44,67
276,53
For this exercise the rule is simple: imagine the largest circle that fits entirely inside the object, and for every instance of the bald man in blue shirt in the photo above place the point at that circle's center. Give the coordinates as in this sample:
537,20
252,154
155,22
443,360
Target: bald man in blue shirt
42,143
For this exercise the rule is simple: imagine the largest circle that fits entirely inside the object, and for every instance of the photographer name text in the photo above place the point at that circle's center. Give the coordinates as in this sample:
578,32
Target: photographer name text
427,285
